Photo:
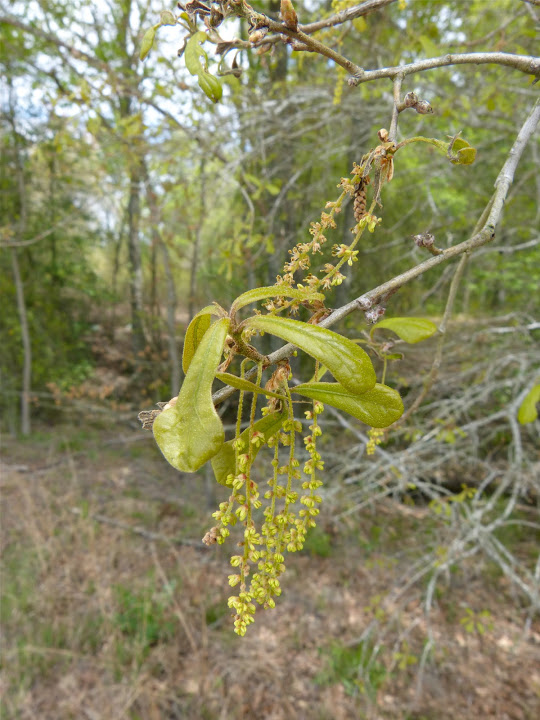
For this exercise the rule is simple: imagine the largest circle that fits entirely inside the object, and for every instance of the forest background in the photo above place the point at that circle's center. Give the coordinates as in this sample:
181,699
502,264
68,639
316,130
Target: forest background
129,201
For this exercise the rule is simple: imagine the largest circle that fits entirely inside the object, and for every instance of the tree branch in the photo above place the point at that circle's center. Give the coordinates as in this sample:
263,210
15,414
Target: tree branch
524,63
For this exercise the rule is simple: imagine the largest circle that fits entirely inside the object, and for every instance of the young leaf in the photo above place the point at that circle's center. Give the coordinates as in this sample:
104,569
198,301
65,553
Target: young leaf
347,362
223,463
195,333
409,329
462,153
261,293
147,42
378,407
194,51
209,84
191,432
241,384
167,18
527,410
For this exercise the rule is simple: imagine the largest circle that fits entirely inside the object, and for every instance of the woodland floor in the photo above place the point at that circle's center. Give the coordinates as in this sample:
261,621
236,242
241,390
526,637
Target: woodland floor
99,622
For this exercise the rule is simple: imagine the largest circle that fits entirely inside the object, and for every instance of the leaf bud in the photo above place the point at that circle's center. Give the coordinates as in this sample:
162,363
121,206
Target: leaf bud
375,314
264,48
258,35
423,107
364,303
288,15
410,99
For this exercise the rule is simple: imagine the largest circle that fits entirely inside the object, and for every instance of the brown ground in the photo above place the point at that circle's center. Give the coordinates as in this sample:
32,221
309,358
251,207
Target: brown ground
99,622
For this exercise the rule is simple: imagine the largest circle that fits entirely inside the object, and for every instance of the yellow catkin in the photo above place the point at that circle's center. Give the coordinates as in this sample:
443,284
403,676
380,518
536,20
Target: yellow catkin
340,84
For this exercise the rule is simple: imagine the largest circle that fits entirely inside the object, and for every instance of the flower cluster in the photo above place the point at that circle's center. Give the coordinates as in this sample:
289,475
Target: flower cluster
375,438
275,523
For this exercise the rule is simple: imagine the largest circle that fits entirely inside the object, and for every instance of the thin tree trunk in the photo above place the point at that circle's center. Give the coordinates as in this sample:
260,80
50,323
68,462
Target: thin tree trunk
19,288
135,264
196,247
174,358
171,321
27,345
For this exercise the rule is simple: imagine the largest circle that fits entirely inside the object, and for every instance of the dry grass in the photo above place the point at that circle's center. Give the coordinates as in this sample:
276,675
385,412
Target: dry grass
101,623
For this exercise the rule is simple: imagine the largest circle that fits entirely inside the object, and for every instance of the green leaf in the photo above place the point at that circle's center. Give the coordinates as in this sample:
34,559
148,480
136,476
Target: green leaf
191,432
462,153
223,464
209,84
378,407
347,362
252,296
195,333
527,410
147,42
166,17
194,51
242,384
409,329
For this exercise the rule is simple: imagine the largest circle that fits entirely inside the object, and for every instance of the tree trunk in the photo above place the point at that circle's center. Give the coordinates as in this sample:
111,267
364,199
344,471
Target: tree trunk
135,265
27,345
196,247
171,321
174,358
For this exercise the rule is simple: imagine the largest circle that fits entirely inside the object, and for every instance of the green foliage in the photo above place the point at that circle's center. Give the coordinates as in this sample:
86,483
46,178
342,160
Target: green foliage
191,432
348,363
147,43
378,407
319,543
142,619
208,83
476,622
527,410
411,330
355,668
195,333
257,294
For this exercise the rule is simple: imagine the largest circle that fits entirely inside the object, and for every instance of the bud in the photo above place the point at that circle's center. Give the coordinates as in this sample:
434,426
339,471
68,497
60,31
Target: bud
264,48
364,303
423,107
383,135
375,314
288,15
424,239
258,35
410,99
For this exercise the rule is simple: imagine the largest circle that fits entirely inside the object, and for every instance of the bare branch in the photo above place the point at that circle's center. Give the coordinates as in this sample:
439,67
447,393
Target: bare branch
524,63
